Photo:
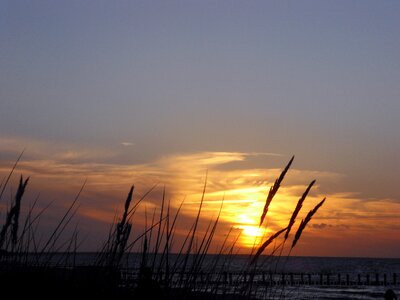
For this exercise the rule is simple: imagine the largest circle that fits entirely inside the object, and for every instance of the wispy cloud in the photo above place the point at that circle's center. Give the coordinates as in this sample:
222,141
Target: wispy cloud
53,150
127,144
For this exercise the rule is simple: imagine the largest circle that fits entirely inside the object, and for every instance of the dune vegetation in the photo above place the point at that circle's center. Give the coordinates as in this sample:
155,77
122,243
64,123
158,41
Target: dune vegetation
31,265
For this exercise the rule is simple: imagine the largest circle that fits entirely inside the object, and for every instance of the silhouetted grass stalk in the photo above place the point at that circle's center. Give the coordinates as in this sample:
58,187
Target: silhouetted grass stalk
273,190
188,265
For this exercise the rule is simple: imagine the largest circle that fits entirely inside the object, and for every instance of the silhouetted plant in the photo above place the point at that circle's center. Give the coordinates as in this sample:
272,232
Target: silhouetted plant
178,276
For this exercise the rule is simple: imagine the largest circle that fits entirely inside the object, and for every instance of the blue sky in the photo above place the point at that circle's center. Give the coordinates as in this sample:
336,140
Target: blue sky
318,79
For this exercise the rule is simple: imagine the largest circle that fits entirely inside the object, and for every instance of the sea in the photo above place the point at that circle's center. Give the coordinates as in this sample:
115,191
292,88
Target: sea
311,277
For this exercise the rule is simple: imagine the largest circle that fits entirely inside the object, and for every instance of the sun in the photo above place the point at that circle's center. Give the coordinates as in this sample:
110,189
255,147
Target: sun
251,234
242,208
252,231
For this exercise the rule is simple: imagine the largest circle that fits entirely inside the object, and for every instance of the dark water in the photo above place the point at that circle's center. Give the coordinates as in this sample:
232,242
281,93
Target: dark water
295,264
334,266
353,267
308,265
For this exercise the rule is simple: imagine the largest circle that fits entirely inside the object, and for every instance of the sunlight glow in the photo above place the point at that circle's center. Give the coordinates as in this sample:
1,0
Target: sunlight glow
243,190
251,235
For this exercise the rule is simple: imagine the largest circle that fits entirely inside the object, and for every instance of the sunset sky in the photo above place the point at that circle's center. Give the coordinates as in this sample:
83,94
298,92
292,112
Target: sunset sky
160,92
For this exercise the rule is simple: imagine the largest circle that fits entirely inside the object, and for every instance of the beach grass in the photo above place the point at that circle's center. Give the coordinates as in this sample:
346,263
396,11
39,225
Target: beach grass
186,274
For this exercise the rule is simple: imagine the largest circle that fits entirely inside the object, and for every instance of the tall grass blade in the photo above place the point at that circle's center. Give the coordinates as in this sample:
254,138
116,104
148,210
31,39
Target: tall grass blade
273,190
297,209
305,221
12,219
265,245
4,185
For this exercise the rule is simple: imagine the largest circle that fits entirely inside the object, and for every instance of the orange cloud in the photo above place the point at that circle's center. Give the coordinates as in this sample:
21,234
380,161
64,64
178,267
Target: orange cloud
342,219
